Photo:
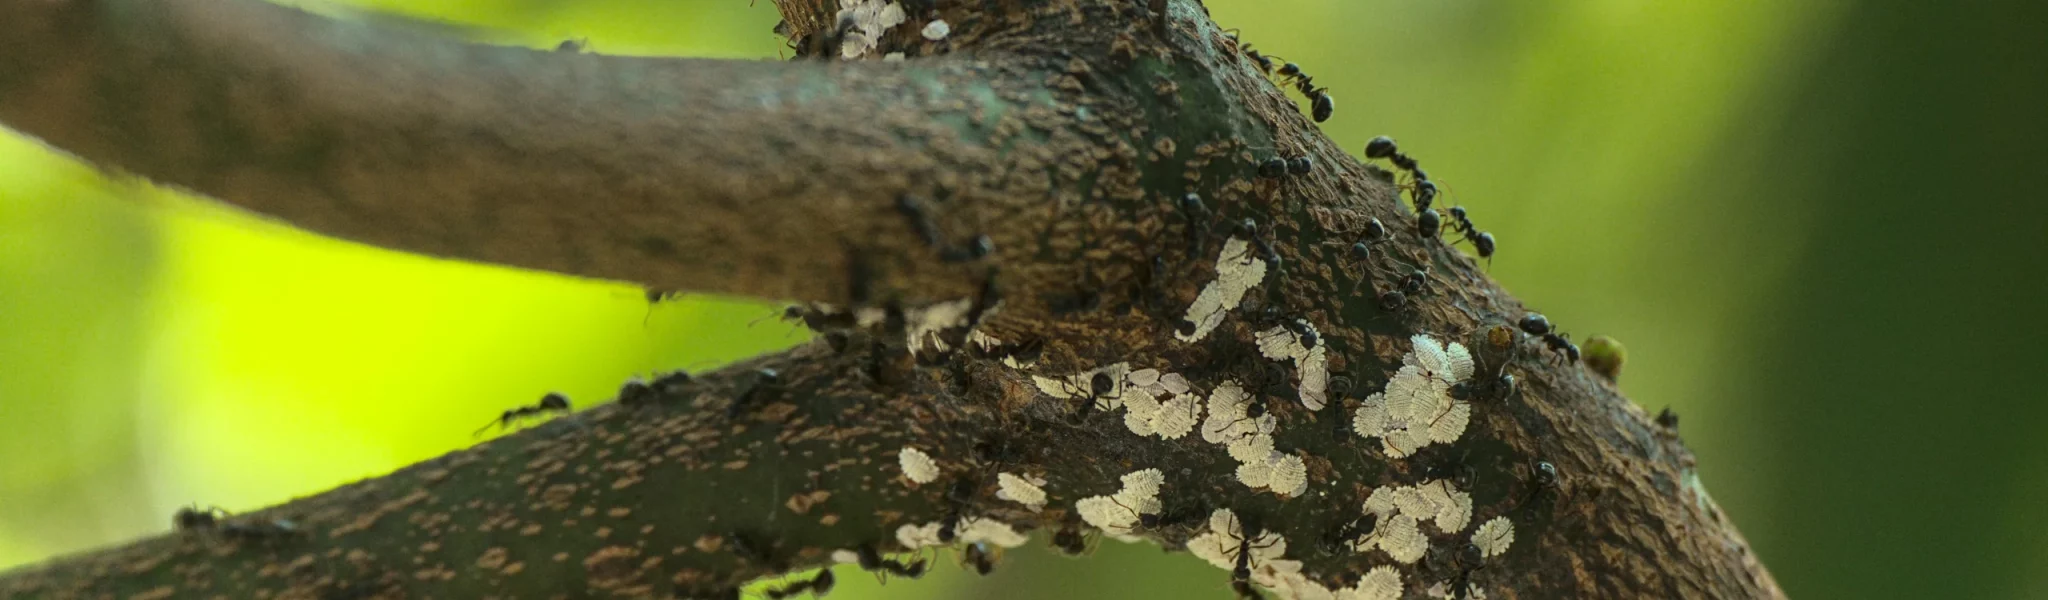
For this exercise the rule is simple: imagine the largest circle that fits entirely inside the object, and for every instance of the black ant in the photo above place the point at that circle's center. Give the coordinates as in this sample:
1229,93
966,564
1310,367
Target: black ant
191,517
636,393
671,382
272,529
872,561
1470,559
1535,324
1099,387
1561,343
1339,540
1249,229
1392,300
1412,283
573,46
765,381
1668,419
1198,215
983,560
1546,479
914,210
1320,104
1263,62
1300,165
1302,330
820,320
978,248
817,586
1424,191
1337,390
1482,242
1070,539
552,402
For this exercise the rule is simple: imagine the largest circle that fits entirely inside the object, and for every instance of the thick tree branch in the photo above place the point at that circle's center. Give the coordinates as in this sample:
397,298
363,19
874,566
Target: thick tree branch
750,178
1100,269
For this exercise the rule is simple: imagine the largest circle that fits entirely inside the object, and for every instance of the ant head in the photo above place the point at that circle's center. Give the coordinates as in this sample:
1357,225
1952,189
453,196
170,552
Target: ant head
1247,228
1361,251
1101,384
1380,147
769,376
1192,203
1458,213
1290,69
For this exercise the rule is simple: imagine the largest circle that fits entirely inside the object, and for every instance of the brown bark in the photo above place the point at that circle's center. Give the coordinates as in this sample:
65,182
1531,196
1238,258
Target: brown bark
1065,132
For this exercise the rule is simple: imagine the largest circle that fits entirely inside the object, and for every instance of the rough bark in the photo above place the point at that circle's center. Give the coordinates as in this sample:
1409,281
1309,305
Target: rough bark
1064,132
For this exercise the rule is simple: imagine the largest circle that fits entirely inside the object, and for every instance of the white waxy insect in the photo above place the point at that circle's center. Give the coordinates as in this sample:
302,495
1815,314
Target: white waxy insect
1417,409
870,19
1313,364
1082,385
1380,583
1237,272
917,466
1021,490
1493,537
1227,421
1117,513
1402,539
925,323
918,536
937,30
990,531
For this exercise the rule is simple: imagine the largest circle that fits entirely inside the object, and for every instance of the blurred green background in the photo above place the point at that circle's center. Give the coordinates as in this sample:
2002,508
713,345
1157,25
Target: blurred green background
1819,227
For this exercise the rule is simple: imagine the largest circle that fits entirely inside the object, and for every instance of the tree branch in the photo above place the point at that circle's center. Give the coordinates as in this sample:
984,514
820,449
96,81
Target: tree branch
748,178
1123,314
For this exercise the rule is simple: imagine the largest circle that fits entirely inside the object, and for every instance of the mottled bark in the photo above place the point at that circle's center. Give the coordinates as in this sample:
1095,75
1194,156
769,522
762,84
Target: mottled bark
1064,132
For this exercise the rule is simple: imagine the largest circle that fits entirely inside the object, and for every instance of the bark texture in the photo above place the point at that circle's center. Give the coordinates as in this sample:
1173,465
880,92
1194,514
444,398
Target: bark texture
977,229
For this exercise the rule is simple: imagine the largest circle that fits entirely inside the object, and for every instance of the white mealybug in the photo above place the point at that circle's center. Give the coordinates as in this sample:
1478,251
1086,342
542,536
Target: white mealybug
990,531
1381,583
1417,409
1115,514
1220,544
870,19
937,30
1082,385
913,537
1227,421
1021,490
1402,539
917,466
844,556
1494,536
1280,343
1237,271
925,323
